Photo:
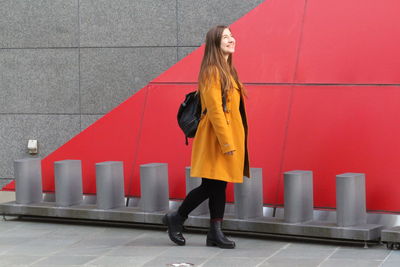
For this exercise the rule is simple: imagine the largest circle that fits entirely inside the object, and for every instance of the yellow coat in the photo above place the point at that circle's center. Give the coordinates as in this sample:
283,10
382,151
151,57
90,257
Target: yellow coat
219,132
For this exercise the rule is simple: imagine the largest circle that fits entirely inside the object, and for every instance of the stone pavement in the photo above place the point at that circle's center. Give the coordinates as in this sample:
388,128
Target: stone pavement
44,243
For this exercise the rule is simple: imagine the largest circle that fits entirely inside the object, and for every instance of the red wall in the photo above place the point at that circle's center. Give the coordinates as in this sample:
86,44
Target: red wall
324,94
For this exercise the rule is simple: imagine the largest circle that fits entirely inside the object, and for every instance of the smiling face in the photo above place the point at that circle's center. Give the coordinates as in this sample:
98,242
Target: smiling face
227,43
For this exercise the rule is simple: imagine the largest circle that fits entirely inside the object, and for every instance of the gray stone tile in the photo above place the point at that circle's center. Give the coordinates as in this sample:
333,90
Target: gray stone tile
394,256
195,17
303,253
88,245
373,253
128,23
391,264
291,263
191,251
192,239
17,260
350,263
184,51
134,251
13,241
39,81
26,233
308,245
41,246
45,23
84,251
77,231
155,239
38,225
87,120
39,251
113,261
110,76
51,131
64,260
260,252
247,242
106,242
9,224
123,232
164,261
233,262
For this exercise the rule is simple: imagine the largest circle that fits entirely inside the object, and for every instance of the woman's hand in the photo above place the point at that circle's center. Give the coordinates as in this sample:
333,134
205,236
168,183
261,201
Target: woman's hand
229,153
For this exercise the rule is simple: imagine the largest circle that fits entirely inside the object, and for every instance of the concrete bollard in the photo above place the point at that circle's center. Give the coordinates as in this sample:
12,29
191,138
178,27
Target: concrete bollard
110,184
249,196
298,203
68,182
28,180
350,199
154,187
191,183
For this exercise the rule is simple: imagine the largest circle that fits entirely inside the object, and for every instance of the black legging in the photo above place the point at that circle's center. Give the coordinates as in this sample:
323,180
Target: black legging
214,190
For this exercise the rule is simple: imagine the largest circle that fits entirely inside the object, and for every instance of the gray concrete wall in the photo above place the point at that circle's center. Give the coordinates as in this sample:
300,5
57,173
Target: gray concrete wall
65,63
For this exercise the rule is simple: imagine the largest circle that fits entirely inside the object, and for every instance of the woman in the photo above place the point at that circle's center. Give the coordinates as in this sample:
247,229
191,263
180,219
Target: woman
219,152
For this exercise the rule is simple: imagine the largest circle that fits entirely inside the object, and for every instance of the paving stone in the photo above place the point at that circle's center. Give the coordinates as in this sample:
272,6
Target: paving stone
394,256
310,253
350,263
114,261
233,262
41,247
373,253
391,264
135,251
164,261
64,260
190,250
83,251
17,260
260,252
291,263
36,243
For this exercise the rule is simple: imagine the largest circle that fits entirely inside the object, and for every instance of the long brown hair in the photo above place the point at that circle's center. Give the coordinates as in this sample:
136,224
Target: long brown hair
215,65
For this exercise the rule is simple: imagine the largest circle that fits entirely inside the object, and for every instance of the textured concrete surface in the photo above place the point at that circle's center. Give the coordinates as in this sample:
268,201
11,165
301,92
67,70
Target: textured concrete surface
51,131
196,17
39,81
44,23
87,120
111,75
184,51
128,23
40,243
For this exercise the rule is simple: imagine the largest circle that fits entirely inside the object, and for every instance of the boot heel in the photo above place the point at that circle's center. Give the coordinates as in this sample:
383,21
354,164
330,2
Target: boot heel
210,243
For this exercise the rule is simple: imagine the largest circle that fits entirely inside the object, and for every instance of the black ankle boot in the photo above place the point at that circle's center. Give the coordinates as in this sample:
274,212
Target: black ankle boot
216,237
175,227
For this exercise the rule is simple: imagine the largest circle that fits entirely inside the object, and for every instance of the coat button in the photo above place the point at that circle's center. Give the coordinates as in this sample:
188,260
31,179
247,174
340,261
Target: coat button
227,121
228,110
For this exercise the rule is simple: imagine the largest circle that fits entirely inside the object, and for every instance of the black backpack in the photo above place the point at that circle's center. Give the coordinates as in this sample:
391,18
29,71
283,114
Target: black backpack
189,114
